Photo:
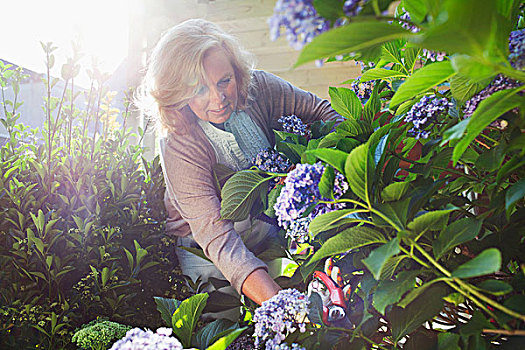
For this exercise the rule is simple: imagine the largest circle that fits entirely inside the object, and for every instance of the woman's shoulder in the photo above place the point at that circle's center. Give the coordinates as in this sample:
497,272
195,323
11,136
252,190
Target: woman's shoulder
189,146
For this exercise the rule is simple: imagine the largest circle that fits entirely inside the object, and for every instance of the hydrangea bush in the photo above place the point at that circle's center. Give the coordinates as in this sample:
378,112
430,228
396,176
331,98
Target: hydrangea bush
138,339
418,195
278,317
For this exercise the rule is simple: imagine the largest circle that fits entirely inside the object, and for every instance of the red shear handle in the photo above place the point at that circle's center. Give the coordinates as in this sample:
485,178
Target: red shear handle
336,293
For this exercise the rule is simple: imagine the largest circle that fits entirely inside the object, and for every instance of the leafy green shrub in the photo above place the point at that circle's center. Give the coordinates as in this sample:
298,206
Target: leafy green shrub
99,334
81,217
431,234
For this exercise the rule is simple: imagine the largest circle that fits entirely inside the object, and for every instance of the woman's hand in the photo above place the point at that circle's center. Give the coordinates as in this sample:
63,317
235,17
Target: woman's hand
259,286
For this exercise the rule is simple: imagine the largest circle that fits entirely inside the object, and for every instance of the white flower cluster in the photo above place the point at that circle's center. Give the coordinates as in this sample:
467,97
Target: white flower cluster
138,339
279,316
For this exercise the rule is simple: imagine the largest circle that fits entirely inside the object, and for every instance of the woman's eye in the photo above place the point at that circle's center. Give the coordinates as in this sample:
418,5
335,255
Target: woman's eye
224,82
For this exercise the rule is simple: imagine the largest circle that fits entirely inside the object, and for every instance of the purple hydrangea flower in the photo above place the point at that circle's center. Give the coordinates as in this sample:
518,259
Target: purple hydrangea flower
517,49
425,113
352,8
427,54
285,346
363,90
434,56
279,316
300,21
293,124
298,230
405,16
499,83
301,190
268,159
138,339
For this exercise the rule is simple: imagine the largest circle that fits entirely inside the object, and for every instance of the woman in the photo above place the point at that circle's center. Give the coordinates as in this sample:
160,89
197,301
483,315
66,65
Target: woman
215,108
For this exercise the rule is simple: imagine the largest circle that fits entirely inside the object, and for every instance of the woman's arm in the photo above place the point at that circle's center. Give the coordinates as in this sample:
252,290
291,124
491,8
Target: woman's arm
259,286
186,162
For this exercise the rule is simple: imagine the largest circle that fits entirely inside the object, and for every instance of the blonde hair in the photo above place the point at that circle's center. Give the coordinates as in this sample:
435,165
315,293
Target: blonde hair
175,71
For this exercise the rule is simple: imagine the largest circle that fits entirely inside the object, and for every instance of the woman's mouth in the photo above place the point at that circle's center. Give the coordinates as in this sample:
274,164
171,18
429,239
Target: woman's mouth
220,110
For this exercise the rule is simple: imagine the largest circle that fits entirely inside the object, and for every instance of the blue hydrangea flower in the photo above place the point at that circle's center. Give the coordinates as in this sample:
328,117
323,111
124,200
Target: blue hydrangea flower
362,90
268,159
499,83
279,316
302,23
301,190
425,113
517,49
426,54
293,124
285,346
138,339
298,230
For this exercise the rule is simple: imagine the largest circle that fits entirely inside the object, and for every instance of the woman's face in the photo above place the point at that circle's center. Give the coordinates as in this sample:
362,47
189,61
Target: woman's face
217,97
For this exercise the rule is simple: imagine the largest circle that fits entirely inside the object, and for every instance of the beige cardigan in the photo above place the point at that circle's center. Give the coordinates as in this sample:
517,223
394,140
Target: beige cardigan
192,198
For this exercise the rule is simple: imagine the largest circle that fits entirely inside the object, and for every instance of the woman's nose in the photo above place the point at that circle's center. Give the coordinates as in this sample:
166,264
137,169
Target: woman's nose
217,95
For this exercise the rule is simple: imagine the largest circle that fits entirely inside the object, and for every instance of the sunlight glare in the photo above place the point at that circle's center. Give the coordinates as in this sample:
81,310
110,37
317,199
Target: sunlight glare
100,27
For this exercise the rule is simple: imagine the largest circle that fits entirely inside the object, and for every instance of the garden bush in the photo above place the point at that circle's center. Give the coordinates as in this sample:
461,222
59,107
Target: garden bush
417,196
81,217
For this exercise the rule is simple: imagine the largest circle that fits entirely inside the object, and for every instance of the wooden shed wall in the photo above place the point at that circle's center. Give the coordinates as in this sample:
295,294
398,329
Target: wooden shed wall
247,20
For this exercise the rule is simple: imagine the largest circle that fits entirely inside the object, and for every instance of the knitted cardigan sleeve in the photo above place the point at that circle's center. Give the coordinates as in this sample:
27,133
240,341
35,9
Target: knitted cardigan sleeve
187,163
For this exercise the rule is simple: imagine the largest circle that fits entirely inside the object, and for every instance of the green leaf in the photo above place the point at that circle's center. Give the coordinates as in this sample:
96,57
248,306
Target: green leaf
396,212
495,287
353,37
487,262
219,301
391,264
424,308
326,184
390,292
381,73
395,191
460,231
463,88
416,292
222,343
448,341
433,220
213,330
239,194
372,106
166,307
315,312
416,8
105,276
345,102
378,257
351,238
391,52
355,128
359,169
423,80
332,220
514,193
186,316
334,157
329,9
272,199
476,69
482,35
487,111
